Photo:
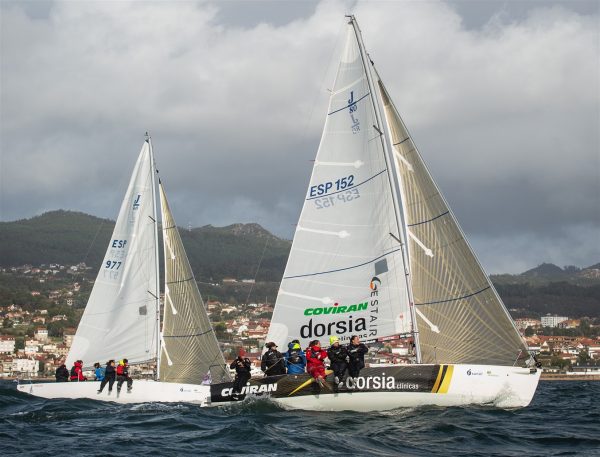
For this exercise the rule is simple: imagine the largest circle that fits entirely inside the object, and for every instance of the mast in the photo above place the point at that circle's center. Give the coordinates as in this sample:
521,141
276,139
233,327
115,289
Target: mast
156,255
394,178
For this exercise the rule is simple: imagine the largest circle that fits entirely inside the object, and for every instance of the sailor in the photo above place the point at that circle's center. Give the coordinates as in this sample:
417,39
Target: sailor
295,359
272,362
315,365
109,376
62,374
77,371
123,376
98,372
242,366
356,355
338,356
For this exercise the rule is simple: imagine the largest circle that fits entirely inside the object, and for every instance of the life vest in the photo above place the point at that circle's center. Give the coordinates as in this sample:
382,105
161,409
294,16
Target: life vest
73,372
294,357
120,370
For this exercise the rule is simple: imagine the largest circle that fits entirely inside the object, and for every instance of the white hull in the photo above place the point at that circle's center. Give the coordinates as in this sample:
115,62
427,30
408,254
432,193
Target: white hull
462,385
450,385
504,387
144,391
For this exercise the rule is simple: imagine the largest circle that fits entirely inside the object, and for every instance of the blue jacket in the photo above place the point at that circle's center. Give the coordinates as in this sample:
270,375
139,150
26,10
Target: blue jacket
99,374
300,365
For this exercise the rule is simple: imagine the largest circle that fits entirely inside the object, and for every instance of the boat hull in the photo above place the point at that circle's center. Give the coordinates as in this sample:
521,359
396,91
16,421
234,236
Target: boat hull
144,391
386,388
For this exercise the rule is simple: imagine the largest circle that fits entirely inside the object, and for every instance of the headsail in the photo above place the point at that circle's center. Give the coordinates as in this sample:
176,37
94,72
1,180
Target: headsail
190,350
120,316
345,273
461,318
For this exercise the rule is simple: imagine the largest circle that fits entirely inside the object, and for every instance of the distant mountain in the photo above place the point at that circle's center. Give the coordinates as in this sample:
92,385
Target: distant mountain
235,251
67,237
548,272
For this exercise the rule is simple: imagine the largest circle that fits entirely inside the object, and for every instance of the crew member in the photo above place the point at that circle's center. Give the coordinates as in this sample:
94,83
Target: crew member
295,359
98,372
272,362
242,366
356,356
62,374
77,371
109,376
338,356
123,376
315,365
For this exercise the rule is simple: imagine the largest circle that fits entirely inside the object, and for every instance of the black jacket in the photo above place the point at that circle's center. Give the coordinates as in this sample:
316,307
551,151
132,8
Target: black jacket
62,374
356,354
272,363
110,372
337,354
241,365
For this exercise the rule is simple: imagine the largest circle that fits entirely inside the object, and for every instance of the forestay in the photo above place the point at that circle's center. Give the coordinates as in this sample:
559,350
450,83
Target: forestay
120,316
345,274
190,352
460,317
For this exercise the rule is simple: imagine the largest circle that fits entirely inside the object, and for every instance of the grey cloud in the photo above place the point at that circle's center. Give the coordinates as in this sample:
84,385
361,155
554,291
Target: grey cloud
503,103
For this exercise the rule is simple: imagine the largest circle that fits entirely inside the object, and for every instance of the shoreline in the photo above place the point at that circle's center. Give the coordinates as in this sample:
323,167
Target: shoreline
566,377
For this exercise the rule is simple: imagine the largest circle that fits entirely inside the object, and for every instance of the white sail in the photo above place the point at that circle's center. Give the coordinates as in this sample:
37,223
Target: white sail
120,319
345,273
190,352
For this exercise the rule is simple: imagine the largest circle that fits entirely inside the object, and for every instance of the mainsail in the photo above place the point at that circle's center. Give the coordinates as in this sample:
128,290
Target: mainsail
461,318
190,351
120,319
345,273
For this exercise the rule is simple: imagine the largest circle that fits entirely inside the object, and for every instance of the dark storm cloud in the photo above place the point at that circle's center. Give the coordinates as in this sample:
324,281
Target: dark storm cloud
503,101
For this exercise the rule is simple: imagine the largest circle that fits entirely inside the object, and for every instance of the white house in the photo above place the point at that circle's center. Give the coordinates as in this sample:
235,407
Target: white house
25,366
41,333
7,345
552,321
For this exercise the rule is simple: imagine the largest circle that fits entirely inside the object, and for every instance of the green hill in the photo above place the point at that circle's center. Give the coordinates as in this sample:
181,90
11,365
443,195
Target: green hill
235,251
547,273
67,238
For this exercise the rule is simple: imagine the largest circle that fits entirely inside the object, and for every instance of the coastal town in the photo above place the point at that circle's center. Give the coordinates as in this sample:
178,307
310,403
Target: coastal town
38,328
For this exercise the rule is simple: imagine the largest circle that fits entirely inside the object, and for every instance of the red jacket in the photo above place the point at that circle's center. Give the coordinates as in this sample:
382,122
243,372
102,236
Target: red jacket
314,358
77,372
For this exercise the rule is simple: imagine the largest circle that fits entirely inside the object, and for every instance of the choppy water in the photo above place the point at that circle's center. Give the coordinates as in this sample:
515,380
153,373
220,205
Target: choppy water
564,419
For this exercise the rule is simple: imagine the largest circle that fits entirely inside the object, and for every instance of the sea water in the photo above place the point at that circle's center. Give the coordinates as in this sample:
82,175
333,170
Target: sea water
563,419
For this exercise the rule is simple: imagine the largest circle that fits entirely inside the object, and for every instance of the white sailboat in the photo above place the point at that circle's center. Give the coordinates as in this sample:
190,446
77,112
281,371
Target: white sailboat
122,317
377,253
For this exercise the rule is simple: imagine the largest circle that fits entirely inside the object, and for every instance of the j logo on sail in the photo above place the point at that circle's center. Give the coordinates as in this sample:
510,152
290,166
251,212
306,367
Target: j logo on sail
136,203
351,108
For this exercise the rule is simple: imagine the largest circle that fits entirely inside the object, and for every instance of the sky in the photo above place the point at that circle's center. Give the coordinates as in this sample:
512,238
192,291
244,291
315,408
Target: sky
501,97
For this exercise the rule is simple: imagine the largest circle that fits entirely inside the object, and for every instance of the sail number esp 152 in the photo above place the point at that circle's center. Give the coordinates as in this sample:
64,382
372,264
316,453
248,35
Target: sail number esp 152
326,187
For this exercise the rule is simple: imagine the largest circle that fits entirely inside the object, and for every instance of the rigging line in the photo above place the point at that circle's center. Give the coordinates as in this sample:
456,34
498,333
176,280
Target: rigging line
349,188
321,87
429,220
453,299
257,269
343,269
354,102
